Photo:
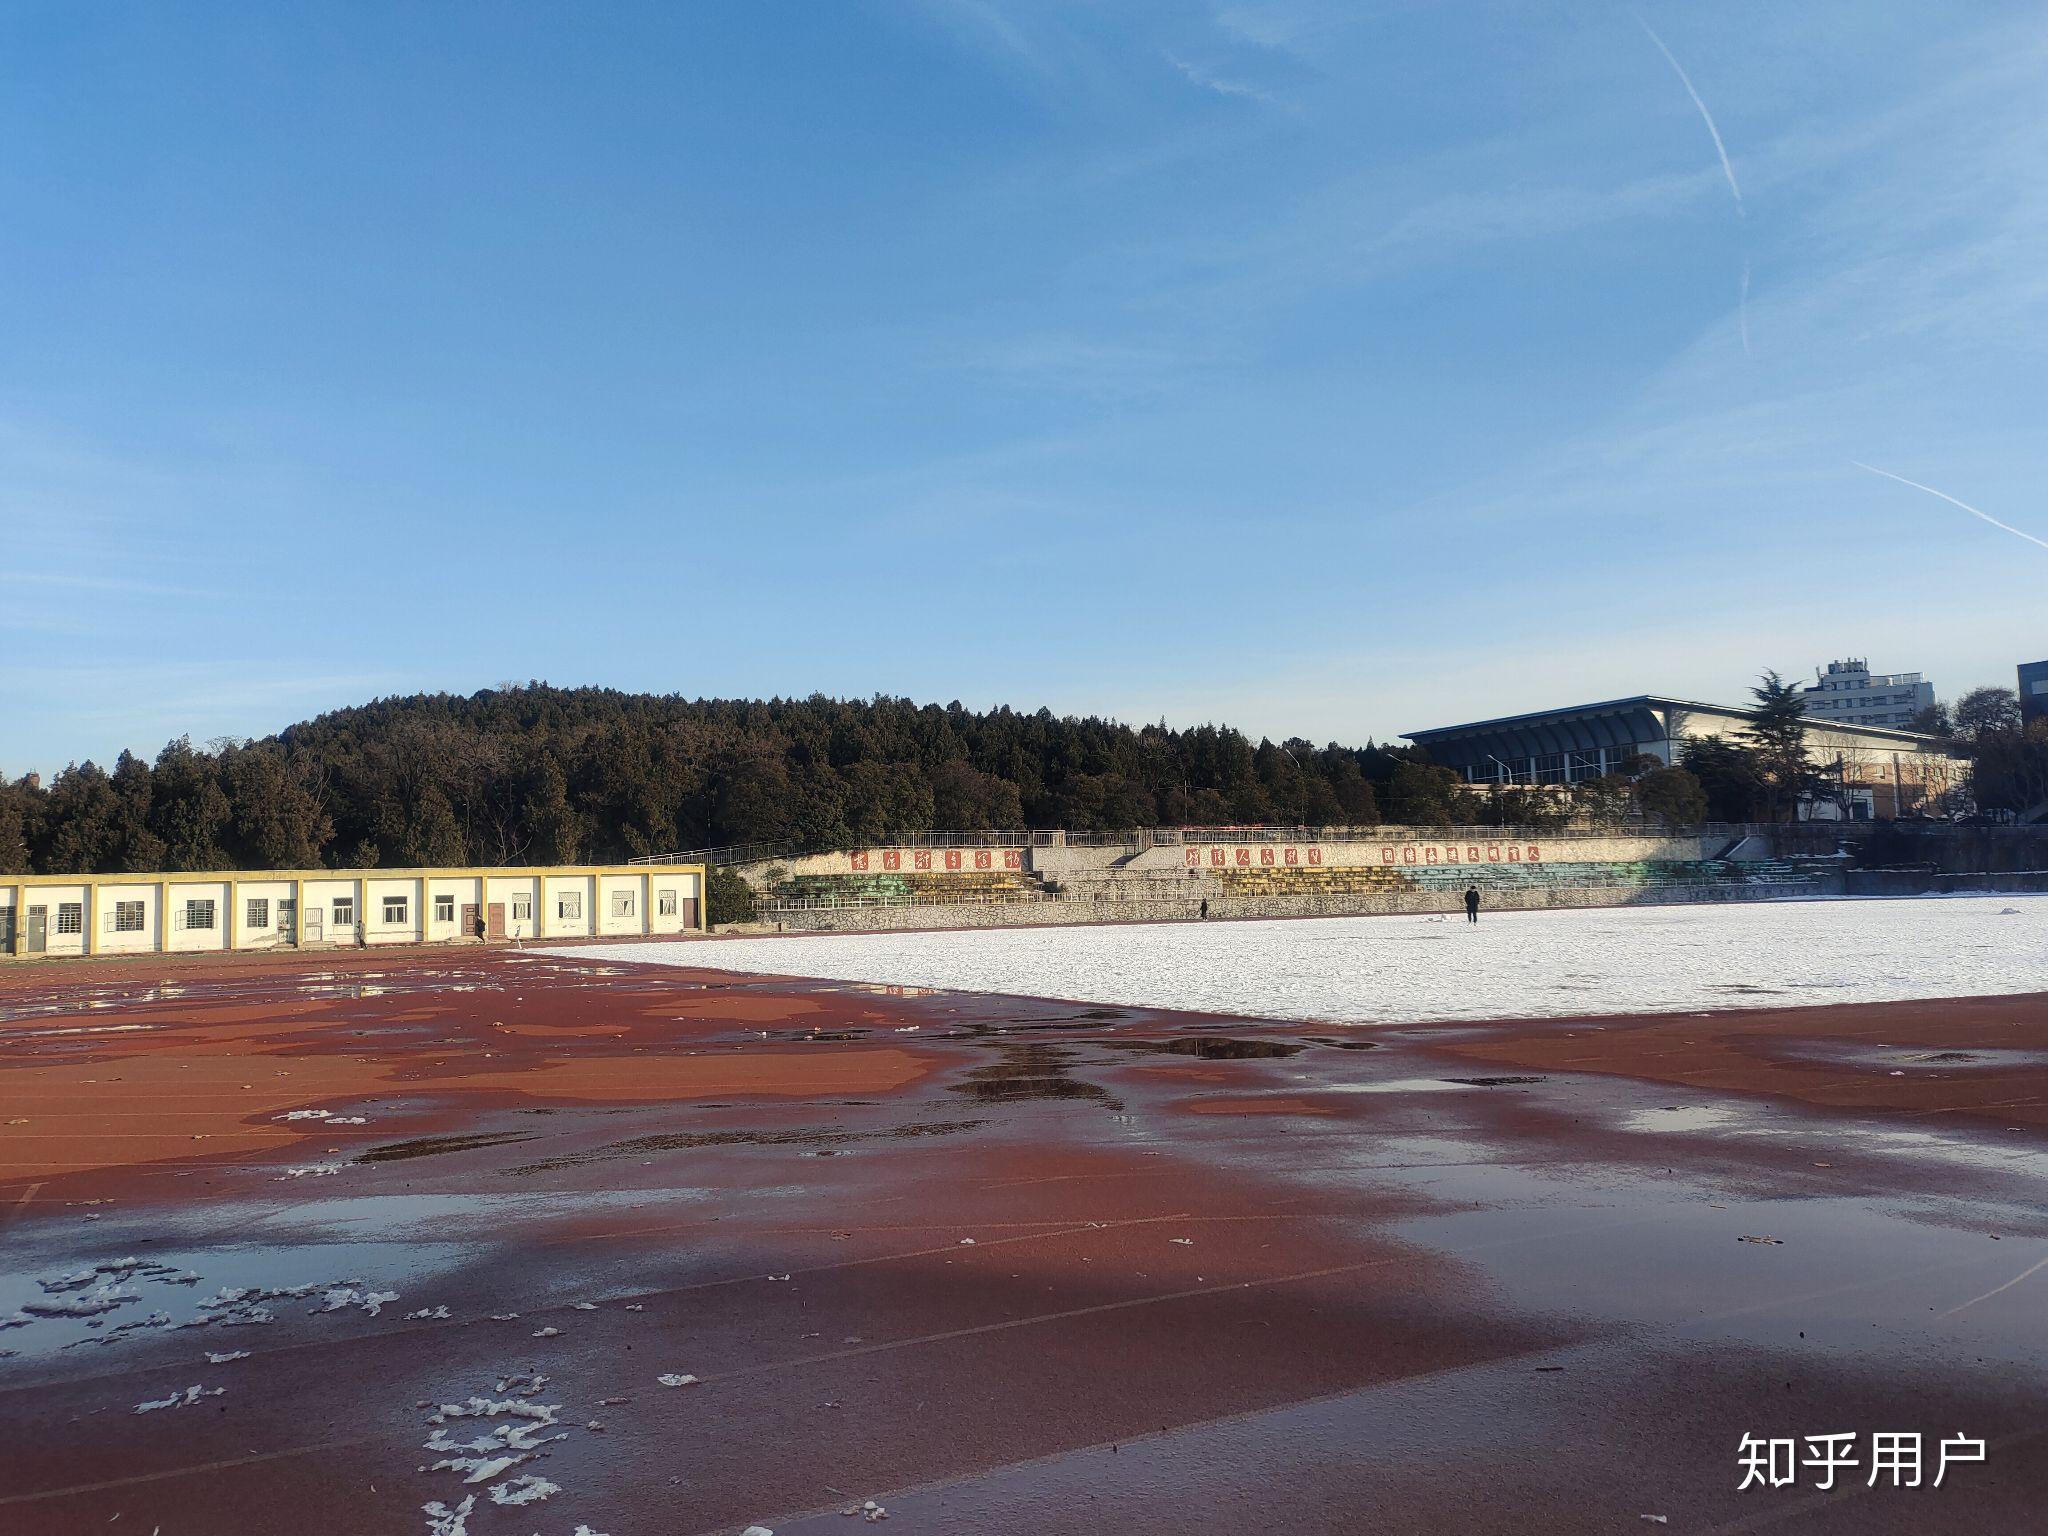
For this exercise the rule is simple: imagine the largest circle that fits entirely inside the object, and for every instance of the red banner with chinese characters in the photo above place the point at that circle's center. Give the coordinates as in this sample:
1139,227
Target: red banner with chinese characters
926,860
1312,856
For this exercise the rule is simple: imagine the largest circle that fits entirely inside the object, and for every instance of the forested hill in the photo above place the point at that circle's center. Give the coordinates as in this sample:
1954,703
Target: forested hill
549,775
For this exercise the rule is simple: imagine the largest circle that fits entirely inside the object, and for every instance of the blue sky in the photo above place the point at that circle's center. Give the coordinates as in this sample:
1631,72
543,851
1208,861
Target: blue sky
1327,368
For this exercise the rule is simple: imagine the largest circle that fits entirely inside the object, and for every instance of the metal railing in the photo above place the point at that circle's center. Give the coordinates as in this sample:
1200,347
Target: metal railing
1140,838
1348,834
1458,833
999,837
730,853
991,837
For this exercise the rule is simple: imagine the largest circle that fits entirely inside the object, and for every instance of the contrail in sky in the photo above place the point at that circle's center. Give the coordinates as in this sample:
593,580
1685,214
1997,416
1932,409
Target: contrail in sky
1742,306
1705,116
1944,495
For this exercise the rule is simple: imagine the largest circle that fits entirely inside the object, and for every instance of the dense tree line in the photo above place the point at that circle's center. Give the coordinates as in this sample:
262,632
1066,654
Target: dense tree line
541,775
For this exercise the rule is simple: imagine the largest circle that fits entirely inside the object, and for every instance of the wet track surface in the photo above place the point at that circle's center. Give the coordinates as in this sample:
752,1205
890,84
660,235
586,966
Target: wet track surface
1000,1265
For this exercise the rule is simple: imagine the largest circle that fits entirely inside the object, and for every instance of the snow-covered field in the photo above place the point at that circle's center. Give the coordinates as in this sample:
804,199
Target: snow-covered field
1362,970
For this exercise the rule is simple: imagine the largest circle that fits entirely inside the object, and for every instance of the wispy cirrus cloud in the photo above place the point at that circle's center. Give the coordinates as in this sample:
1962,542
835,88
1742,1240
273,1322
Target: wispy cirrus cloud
1209,80
1285,26
986,26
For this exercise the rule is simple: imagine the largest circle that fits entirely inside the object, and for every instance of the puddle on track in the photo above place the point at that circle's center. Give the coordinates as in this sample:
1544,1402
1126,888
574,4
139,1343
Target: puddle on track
273,1266
434,1146
803,1136
1494,1082
1871,1258
1910,1059
1030,1070
1396,1085
1841,1138
1209,1047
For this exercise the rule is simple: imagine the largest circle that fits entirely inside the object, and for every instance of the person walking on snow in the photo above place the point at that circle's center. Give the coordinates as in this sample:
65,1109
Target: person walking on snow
1471,903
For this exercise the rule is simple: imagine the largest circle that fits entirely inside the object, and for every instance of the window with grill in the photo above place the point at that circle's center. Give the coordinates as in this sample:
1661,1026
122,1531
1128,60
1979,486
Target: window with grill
259,912
71,917
444,909
569,904
394,909
127,917
344,911
199,914
522,909
667,900
622,903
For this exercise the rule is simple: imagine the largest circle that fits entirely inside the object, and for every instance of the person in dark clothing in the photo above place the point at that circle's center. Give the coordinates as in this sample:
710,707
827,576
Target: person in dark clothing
1205,906
1471,903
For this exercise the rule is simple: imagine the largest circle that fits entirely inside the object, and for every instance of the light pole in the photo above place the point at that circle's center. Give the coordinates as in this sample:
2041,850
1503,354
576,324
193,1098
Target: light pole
1507,777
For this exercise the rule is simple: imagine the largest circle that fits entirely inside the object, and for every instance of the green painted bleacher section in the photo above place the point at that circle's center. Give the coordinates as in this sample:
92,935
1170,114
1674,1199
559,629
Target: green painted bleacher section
1351,880
1659,872
1323,880
895,887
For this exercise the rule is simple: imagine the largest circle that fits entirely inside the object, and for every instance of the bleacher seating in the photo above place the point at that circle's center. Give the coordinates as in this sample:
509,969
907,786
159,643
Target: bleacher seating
1368,879
905,888
1618,874
1323,880
900,888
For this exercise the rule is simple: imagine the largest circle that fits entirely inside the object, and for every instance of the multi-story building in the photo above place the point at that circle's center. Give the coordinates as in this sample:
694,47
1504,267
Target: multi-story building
2033,690
1878,771
1849,693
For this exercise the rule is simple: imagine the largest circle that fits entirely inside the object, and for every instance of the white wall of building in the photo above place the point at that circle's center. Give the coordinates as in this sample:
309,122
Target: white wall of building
1849,693
254,910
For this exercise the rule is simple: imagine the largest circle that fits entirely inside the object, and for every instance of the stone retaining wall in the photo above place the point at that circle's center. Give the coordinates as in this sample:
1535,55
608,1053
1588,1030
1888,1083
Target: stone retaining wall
1927,882
1169,909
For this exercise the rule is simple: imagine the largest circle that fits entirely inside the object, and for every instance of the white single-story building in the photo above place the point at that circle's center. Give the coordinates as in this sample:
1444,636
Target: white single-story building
303,908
